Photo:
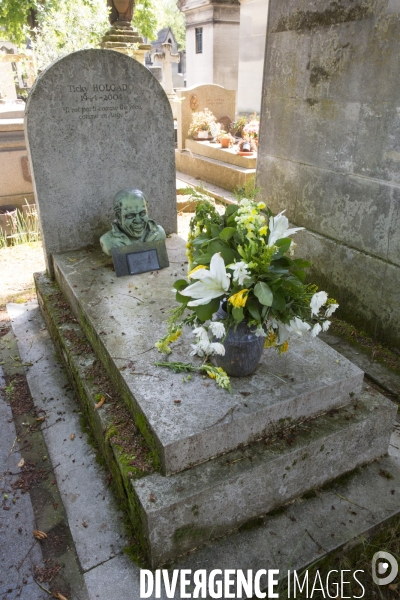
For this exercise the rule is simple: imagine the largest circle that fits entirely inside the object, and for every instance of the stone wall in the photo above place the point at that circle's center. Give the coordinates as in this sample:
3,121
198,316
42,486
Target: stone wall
330,147
253,27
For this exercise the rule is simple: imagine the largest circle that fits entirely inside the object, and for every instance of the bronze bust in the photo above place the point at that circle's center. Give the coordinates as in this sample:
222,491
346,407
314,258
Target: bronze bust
132,224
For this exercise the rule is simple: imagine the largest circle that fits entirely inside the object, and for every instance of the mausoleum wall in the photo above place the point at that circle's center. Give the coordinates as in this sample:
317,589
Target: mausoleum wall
329,148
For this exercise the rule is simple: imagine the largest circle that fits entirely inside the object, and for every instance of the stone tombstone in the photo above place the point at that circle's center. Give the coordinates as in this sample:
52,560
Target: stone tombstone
220,101
97,121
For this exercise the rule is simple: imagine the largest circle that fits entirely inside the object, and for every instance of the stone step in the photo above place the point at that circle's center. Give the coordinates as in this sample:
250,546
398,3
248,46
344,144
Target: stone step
172,515
217,497
124,317
211,170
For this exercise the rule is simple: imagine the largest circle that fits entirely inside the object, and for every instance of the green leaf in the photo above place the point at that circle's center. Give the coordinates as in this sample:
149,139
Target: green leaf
231,220
238,314
215,231
279,302
231,209
253,307
206,311
277,270
227,253
227,233
203,259
201,239
283,245
301,263
263,293
183,299
300,274
180,284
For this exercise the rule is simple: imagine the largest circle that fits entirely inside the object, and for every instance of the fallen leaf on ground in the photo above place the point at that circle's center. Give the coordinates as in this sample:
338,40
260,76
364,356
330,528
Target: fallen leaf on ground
21,463
151,498
72,436
39,535
59,596
100,403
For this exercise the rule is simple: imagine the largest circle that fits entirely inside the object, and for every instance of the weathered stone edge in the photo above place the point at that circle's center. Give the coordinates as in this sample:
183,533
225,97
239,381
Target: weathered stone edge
220,496
119,383
99,420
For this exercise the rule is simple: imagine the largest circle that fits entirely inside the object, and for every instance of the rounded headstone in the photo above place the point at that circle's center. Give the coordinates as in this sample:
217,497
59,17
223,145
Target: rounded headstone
97,122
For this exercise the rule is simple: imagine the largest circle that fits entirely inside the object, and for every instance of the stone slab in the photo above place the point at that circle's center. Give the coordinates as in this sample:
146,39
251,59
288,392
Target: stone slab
189,492
96,121
216,497
17,519
228,155
309,529
311,378
310,522
81,481
220,101
212,170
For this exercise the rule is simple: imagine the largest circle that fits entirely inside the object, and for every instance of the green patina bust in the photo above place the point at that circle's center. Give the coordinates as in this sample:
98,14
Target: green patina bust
132,224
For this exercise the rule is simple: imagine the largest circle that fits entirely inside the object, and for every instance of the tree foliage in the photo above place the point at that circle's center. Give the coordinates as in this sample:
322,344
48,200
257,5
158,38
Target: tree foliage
15,16
145,19
61,26
169,15
69,26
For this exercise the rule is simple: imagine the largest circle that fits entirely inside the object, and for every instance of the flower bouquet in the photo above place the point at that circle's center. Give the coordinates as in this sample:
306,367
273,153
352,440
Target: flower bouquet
202,122
242,270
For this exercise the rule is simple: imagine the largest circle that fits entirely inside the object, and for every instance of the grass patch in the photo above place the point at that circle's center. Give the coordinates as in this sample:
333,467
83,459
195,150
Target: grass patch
378,351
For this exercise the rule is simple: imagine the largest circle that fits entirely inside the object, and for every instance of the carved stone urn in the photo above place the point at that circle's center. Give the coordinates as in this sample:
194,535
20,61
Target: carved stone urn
125,9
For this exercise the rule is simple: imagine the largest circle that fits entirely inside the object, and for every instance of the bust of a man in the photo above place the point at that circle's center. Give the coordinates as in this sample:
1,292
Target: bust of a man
132,224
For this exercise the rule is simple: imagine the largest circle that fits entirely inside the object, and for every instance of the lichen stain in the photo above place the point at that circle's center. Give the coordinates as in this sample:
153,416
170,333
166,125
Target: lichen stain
318,74
331,16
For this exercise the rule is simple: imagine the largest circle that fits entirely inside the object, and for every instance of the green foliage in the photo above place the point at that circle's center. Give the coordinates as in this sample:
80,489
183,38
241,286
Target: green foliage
64,27
14,16
169,15
146,19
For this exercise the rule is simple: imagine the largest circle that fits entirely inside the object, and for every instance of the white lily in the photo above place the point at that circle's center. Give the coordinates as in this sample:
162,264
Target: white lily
331,309
298,326
317,301
316,330
216,348
217,329
278,228
240,272
284,330
213,282
259,332
325,325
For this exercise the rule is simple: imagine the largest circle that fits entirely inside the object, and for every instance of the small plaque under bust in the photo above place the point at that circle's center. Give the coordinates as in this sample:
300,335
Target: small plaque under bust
135,259
140,262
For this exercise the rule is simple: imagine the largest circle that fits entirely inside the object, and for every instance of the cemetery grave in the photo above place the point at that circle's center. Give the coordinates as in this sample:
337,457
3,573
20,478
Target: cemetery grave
199,463
222,167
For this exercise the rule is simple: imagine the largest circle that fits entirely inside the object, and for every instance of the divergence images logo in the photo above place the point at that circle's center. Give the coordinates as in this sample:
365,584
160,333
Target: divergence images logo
386,570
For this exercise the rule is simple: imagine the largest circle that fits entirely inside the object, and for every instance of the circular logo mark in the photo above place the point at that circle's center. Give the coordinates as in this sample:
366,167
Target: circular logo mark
381,574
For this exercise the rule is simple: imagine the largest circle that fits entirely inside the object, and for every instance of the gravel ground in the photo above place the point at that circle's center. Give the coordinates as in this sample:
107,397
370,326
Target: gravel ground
17,265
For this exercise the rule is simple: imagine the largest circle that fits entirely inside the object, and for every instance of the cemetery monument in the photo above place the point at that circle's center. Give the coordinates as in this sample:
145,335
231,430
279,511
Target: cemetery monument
98,122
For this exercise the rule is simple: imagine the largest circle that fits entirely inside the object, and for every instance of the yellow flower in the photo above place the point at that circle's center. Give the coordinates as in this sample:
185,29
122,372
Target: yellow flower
261,205
263,230
283,347
196,269
239,300
270,340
